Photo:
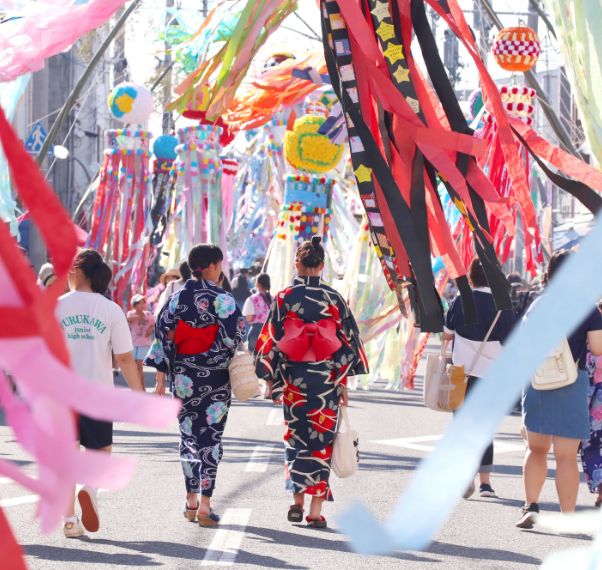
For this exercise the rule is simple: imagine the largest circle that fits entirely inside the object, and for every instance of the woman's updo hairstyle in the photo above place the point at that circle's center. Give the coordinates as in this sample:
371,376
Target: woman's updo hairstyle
95,270
202,256
311,253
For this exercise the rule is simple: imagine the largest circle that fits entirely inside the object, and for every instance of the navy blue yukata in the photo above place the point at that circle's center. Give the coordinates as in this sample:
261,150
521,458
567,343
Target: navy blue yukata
308,347
196,335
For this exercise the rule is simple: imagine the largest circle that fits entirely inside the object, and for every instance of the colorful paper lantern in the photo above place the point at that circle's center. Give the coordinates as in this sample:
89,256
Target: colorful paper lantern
131,103
517,48
306,149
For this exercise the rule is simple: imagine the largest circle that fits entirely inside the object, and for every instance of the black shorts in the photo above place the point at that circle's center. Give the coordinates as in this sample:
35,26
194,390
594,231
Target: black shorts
94,434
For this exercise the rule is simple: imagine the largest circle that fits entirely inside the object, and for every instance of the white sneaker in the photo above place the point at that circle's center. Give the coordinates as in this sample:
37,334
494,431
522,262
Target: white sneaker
73,528
89,505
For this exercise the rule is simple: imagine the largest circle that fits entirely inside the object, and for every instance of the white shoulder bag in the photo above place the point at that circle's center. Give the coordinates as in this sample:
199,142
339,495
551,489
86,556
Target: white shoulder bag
557,370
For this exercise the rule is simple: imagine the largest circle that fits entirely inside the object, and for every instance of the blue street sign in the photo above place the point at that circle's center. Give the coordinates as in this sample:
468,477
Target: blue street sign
36,139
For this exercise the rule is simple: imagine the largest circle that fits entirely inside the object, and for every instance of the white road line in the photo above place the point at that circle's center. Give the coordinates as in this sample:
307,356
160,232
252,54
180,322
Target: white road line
26,500
260,458
5,480
420,443
276,417
226,542
14,501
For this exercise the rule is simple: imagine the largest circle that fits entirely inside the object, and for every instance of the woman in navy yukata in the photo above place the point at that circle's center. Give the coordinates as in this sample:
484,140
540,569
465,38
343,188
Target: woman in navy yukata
308,347
196,336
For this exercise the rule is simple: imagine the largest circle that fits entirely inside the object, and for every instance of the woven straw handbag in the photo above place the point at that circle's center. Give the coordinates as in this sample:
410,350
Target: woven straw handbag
243,380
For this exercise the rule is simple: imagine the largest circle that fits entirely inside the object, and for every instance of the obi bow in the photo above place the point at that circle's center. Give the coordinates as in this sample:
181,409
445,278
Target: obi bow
194,340
309,342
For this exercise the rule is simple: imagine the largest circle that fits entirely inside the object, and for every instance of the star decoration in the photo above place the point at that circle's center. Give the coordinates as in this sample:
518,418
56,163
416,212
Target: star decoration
363,173
385,31
394,53
381,11
401,74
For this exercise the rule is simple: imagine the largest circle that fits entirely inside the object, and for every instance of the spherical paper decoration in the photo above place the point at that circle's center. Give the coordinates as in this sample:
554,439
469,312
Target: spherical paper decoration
131,103
164,147
516,49
306,149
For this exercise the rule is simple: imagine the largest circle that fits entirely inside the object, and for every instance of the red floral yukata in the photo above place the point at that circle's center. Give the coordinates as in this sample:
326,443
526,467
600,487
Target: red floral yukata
306,322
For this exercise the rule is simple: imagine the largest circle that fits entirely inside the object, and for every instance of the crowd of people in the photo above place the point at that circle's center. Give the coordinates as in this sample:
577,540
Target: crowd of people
306,344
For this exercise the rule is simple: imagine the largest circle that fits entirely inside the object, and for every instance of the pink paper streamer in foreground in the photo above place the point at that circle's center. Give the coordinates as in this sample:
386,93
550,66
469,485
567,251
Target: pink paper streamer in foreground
25,43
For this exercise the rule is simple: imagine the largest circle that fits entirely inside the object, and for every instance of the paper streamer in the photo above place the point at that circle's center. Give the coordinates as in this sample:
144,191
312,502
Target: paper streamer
26,42
421,513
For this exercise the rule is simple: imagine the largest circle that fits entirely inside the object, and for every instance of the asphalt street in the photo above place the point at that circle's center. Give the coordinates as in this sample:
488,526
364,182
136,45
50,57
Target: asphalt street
142,525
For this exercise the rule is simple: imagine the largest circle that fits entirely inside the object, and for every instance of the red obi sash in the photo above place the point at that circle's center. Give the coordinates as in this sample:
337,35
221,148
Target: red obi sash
194,340
309,342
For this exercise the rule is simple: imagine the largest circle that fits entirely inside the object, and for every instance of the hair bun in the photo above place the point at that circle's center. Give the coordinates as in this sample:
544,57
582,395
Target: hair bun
316,240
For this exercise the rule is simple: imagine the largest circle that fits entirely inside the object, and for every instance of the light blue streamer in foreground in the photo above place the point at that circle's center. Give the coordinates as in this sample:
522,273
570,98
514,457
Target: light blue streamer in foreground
444,475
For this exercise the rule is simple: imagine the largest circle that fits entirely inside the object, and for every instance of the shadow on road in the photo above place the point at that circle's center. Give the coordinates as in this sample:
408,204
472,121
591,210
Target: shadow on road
63,554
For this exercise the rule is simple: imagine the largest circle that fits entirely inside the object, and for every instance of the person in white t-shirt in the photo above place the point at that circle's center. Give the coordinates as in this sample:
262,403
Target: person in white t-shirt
95,328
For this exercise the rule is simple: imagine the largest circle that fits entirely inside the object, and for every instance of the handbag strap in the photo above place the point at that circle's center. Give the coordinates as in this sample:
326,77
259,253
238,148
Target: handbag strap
344,419
482,345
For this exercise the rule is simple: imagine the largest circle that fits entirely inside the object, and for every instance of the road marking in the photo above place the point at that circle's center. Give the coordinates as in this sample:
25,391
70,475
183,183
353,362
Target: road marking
226,542
276,417
28,499
5,480
14,501
417,443
260,458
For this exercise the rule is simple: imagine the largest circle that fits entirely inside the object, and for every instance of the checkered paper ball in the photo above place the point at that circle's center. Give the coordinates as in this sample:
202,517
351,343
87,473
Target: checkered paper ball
516,49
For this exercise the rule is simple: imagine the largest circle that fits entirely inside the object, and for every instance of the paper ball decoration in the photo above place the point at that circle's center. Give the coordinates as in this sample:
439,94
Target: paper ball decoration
164,147
306,149
131,103
516,49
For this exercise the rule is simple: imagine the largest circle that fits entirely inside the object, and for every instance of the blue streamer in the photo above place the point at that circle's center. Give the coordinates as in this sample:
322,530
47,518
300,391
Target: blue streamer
10,95
420,512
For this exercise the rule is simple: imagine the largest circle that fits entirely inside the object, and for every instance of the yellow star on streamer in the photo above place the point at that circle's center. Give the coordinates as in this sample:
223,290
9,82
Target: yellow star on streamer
394,53
386,31
381,11
401,74
363,173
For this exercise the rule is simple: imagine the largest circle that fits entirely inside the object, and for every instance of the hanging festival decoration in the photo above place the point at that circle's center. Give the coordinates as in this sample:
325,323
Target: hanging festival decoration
212,86
33,351
121,217
131,104
307,150
46,29
516,49
164,186
399,160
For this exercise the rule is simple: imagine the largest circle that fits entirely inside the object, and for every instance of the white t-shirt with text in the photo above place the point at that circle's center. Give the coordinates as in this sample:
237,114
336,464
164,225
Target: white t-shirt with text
94,328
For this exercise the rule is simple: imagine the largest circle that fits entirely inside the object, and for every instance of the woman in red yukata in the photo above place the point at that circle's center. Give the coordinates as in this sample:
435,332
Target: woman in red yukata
307,348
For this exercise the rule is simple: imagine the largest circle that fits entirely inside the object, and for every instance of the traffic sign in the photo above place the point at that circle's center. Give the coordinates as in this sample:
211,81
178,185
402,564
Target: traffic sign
36,139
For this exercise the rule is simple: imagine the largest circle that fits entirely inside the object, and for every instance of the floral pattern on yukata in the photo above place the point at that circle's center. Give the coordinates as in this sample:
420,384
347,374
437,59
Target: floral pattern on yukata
591,449
310,390
200,381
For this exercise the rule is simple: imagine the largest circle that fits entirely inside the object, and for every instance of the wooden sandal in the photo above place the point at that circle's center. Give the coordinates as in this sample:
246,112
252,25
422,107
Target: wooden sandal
295,514
208,521
189,513
316,523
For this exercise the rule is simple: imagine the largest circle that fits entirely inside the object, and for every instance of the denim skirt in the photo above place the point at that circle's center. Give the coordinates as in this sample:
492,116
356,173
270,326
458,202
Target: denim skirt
563,412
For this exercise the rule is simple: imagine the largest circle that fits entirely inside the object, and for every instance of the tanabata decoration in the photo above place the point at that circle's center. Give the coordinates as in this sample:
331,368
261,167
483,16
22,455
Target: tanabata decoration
305,213
517,48
32,350
131,103
164,187
199,209
576,23
121,223
307,150
212,86
44,29
276,88
406,133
